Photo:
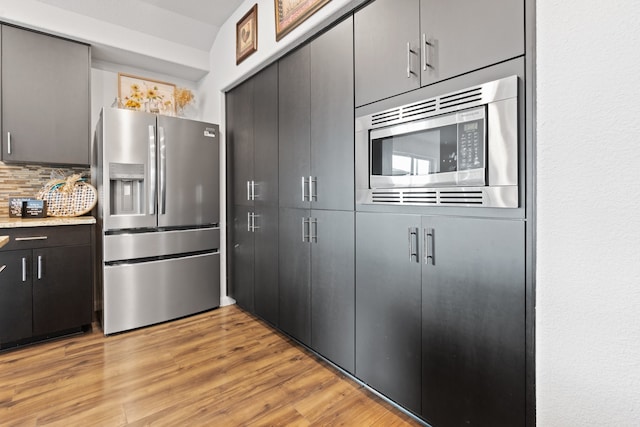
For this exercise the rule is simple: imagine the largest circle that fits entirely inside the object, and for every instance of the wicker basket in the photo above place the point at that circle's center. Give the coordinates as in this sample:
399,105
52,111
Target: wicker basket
68,198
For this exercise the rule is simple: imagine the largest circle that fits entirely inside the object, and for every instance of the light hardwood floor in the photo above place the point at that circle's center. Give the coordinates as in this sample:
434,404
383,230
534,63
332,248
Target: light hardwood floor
220,368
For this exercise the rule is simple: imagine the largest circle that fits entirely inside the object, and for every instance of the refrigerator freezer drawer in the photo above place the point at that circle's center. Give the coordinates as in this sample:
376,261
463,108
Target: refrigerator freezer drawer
145,293
154,244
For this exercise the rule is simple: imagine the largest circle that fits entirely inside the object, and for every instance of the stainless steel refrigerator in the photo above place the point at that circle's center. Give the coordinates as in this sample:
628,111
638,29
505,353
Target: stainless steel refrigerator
158,218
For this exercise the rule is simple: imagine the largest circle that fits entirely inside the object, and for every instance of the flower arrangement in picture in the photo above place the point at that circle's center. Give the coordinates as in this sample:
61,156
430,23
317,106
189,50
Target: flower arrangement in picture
153,96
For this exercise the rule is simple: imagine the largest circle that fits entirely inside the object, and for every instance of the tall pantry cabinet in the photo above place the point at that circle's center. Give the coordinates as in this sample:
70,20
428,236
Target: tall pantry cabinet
252,153
316,158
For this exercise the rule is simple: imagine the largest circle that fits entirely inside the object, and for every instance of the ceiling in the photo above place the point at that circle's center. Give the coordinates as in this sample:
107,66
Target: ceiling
192,23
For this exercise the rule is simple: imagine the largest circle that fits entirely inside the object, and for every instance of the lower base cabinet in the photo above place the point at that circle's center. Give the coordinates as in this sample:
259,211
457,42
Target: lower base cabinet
46,283
440,324
317,281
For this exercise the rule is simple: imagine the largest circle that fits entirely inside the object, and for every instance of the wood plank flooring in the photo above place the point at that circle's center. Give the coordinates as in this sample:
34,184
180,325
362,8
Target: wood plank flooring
220,368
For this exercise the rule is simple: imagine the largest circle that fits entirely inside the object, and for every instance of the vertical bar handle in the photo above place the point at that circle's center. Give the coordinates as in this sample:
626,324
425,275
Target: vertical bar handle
249,221
152,170
253,190
8,142
313,188
305,229
253,222
413,247
249,190
303,182
408,60
24,269
425,48
163,171
313,229
39,267
429,246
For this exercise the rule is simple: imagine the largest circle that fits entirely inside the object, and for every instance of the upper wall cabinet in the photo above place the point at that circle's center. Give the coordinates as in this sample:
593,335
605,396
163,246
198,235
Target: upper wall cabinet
400,46
316,123
45,99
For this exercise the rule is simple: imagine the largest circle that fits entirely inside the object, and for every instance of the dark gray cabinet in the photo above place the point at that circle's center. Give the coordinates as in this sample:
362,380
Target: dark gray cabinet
46,276
440,325
316,123
388,289
45,99
317,281
463,35
473,322
400,46
252,150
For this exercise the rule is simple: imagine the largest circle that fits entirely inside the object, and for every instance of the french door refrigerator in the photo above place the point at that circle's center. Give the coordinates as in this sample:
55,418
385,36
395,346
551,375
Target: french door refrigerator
158,215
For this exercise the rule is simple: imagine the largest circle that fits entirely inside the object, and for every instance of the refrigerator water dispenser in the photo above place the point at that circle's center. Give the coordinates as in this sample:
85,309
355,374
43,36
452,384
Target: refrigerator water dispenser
126,188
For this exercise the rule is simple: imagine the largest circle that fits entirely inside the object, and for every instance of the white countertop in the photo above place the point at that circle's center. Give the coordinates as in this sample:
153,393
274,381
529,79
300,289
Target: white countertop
45,222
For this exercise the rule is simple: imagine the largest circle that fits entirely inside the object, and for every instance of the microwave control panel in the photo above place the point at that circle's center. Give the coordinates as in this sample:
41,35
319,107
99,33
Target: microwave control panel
471,145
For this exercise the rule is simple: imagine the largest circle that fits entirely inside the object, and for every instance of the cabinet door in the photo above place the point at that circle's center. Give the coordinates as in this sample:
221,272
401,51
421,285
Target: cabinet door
294,128
386,49
240,142
332,286
388,290
265,136
294,272
45,98
266,263
242,257
464,35
332,148
473,300
15,296
62,289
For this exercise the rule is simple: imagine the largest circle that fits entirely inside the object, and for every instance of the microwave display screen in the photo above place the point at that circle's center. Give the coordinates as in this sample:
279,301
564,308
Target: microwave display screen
450,148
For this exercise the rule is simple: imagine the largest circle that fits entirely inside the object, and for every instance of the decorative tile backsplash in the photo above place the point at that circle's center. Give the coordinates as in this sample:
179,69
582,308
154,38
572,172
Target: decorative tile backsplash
27,181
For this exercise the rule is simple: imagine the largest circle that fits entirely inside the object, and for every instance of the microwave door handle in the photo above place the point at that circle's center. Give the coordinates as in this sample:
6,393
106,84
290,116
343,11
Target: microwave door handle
152,170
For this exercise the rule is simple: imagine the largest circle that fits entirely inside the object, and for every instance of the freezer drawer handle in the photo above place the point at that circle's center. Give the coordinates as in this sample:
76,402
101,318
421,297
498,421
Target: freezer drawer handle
8,142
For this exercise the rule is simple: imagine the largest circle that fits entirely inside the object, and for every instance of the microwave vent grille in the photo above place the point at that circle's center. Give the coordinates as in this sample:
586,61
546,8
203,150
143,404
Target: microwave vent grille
460,99
448,197
385,117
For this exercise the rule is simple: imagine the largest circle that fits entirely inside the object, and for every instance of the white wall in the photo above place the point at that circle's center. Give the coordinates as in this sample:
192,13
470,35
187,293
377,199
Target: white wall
588,283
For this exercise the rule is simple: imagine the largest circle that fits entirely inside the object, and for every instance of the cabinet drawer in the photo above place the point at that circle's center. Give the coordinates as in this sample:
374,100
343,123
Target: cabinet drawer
42,237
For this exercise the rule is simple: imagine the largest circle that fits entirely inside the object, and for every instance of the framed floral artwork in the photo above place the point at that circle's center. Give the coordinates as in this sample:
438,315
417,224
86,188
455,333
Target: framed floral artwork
247,34
142,94
291,13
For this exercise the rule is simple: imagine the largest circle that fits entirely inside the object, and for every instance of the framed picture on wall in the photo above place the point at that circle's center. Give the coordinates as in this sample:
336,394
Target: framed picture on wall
143,94
291,13
247,34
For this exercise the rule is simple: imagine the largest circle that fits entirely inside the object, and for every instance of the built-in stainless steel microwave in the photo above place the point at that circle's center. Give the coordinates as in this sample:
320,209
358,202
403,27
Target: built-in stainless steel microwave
458,149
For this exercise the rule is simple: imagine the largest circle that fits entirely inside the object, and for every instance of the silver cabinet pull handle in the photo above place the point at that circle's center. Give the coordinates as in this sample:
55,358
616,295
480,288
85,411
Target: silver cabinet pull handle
253,222
26,239
8,142
2,268
429,244
408,60
314,231
24,269
39,267
163,171
152,170
425,47
313,189
248,190
253,190
303,182
249,221
413,247
305,229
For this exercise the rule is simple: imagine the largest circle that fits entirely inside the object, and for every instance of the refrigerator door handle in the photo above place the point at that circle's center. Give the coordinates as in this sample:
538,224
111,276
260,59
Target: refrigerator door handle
152,170
163,171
